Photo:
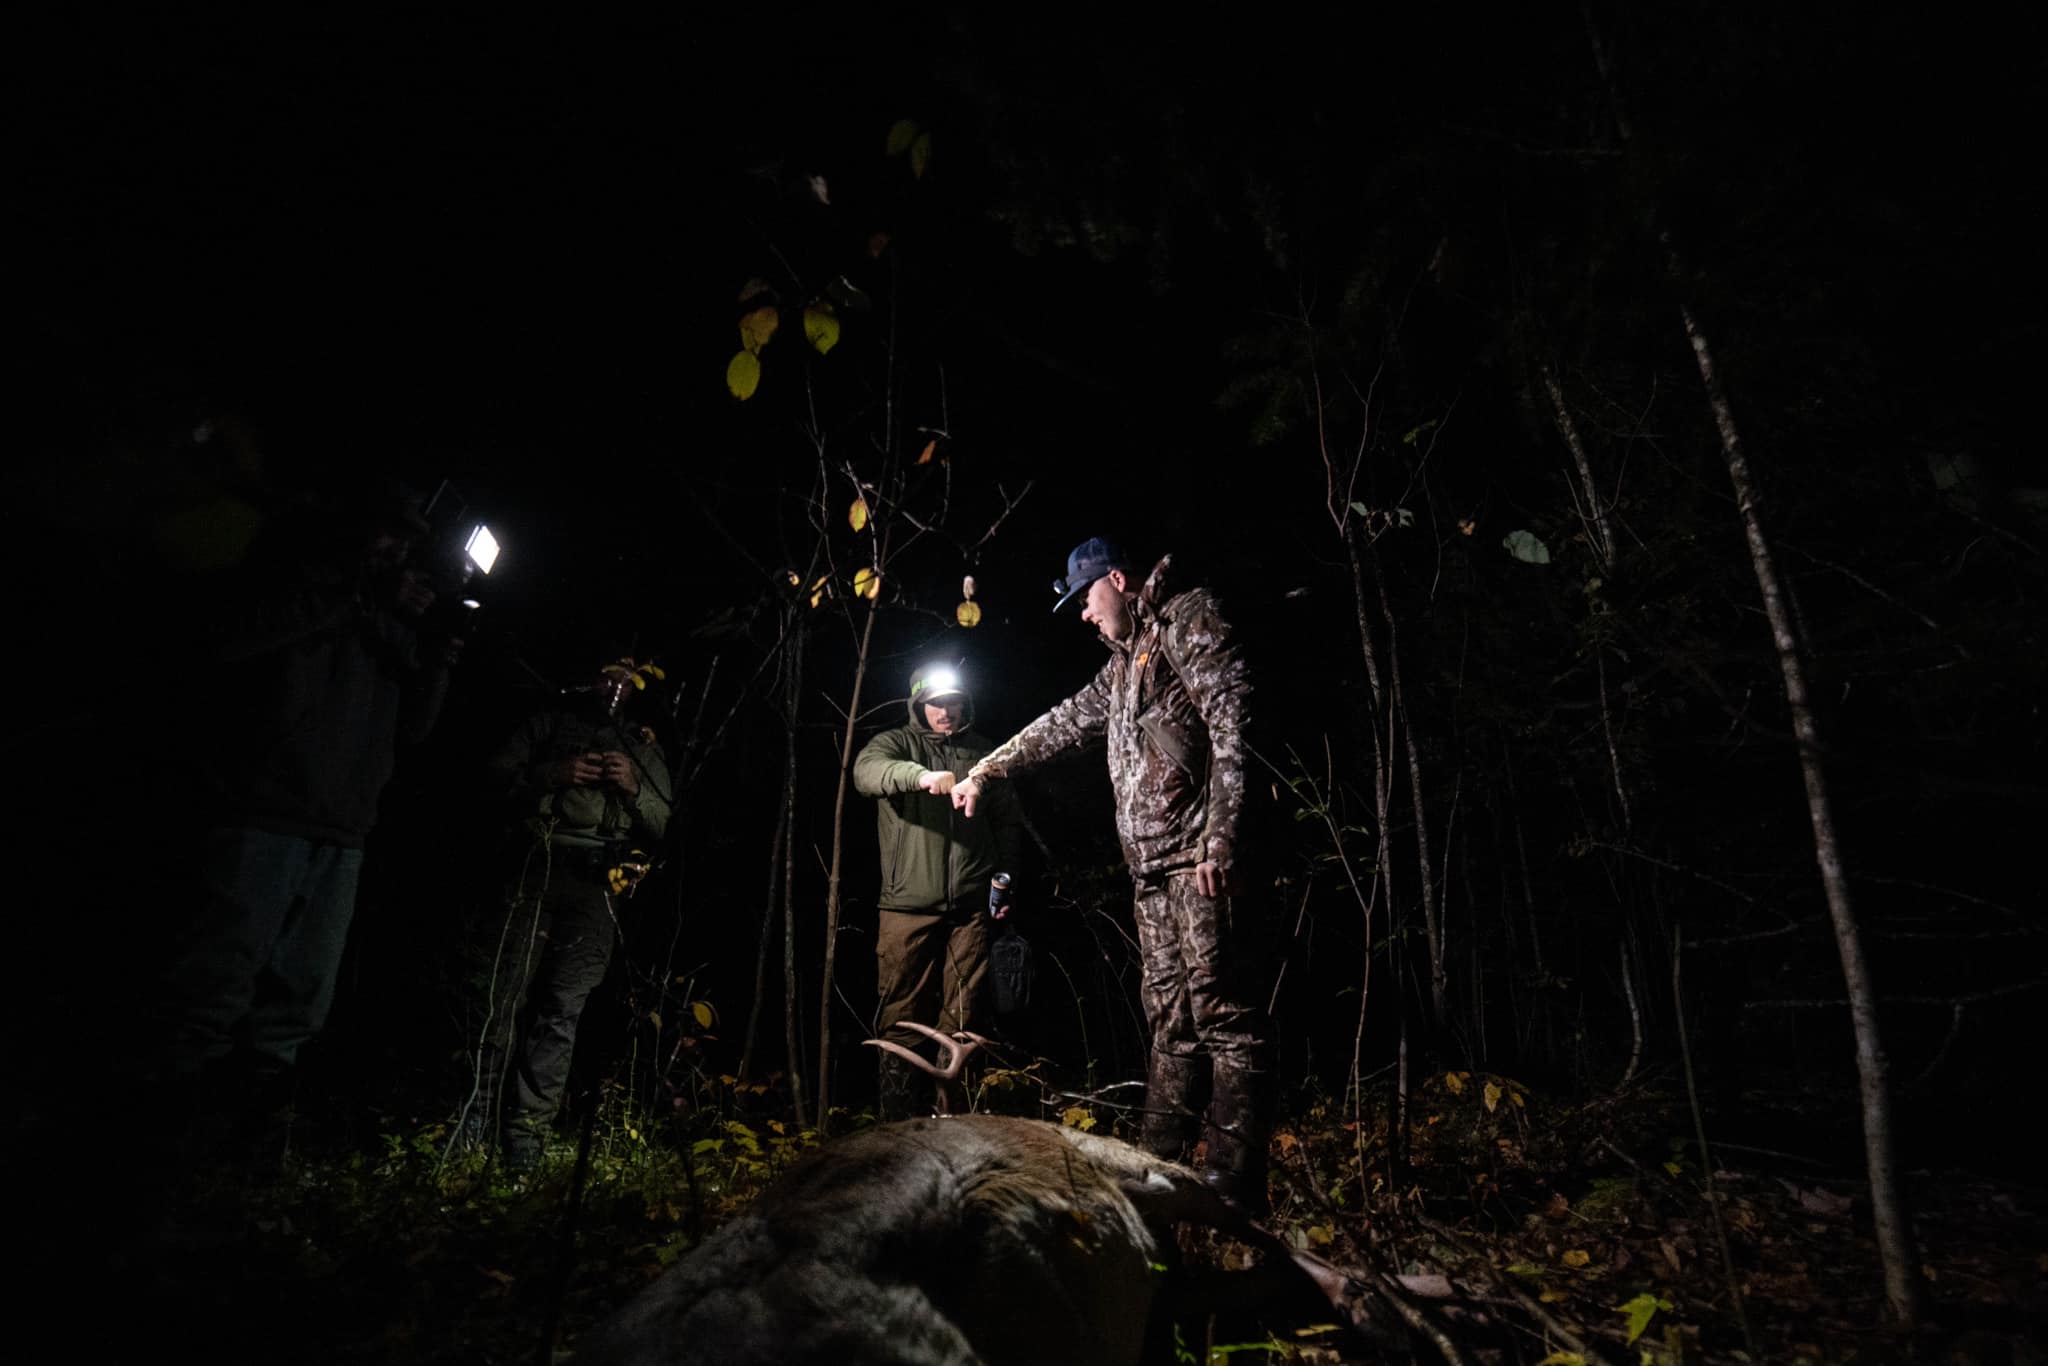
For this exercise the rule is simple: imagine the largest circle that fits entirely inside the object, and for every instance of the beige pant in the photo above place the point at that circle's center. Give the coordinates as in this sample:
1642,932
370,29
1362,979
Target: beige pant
932,968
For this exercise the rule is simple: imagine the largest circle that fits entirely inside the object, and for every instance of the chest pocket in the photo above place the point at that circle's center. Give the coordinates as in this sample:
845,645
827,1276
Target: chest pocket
1185,746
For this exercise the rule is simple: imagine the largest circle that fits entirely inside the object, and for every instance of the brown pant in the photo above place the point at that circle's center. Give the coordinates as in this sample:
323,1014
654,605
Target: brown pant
931,967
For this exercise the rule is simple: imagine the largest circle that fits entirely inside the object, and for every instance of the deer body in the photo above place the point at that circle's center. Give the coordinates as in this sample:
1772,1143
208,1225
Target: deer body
975,1238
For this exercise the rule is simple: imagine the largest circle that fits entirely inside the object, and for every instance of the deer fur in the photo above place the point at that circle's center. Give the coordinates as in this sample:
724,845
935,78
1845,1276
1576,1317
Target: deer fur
966,1238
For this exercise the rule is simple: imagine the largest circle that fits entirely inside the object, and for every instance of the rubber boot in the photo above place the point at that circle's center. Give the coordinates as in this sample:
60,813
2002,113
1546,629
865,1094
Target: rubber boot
1173,1104
1240,1120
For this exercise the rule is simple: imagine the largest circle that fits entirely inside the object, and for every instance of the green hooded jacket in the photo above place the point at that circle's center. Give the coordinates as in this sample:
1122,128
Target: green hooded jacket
933,855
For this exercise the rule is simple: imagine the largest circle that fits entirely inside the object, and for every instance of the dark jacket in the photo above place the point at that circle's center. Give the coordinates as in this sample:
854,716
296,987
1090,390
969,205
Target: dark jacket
583,815
1171,704
317,688
931,854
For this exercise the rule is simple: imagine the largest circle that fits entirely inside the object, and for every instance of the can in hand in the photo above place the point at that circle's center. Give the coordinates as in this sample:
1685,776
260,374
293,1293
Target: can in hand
999,895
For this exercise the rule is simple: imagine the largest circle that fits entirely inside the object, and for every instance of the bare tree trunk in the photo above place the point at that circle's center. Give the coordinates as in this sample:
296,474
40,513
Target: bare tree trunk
767,937
1432,919
860,674
792,696
1529,905
1586,492
1894,1230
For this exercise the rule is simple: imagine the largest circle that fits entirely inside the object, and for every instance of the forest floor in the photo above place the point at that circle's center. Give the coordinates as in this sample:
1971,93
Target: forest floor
1523,1230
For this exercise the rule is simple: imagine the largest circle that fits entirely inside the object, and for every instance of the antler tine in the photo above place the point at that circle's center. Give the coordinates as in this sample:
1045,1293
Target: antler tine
957,1045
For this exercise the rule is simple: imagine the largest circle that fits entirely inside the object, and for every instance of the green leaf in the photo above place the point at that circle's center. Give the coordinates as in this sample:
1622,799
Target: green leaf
1524,546
1640,1311
902,133
821,327
743,375
1361,509
920,154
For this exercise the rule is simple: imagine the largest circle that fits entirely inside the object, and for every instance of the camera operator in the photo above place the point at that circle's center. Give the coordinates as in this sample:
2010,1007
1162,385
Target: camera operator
317,674
583,782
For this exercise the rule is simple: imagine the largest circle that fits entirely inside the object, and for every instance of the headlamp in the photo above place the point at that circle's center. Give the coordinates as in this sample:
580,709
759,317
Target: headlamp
938,683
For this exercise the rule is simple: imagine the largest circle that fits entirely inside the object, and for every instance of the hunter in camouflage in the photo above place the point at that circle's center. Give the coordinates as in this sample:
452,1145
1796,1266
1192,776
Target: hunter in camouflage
1171,704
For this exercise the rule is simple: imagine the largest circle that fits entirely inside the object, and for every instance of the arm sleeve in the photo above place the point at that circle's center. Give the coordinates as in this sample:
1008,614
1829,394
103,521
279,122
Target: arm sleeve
886,765
1213,671
515,769
654,803
267,622
1076,722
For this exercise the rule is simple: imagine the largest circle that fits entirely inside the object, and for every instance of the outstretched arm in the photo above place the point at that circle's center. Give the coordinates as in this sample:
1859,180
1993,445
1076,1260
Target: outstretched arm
1080,719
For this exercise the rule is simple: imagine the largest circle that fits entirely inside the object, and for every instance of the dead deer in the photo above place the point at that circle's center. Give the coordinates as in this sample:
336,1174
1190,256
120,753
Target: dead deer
964,1238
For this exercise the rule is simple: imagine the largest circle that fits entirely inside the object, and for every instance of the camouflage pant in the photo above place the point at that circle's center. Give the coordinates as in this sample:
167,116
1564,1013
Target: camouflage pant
1204,983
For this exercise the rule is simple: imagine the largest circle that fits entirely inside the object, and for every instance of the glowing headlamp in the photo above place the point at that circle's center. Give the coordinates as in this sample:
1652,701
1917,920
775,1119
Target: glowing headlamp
937,683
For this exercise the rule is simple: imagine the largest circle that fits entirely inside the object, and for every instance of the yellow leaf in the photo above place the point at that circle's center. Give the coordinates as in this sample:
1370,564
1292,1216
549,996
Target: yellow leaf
758,327
1077,1117
1321,1234
857,515
867,584
920,154
1577,1257
821,327
1491,1094
658,672
1553,1297
743,376
902,133
702,1012
968,614
655,1016
1455,1083
752,287
1563,1358
1515,1097
930,446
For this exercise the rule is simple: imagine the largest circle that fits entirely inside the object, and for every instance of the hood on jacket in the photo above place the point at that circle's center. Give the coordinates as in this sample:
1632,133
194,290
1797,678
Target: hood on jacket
1161,586
1163,583
919,695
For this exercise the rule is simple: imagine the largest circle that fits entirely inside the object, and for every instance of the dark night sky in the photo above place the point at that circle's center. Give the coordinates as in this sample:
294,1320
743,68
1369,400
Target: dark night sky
503,251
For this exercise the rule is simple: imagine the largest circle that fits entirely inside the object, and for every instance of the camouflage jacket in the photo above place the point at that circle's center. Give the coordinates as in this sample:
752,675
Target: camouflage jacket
1171,704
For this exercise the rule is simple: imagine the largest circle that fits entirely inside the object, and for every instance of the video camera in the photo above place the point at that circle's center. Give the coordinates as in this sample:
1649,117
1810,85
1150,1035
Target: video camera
459,552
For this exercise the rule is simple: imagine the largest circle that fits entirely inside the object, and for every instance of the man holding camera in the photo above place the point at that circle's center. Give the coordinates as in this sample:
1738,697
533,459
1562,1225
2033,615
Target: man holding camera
932,939
585,784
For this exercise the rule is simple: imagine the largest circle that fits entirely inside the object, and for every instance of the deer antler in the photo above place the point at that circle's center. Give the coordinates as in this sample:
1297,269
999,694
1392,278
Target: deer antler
958,1046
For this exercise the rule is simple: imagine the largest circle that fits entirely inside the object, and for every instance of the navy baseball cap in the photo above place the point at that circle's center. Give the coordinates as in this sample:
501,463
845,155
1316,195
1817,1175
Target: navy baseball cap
1086,563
